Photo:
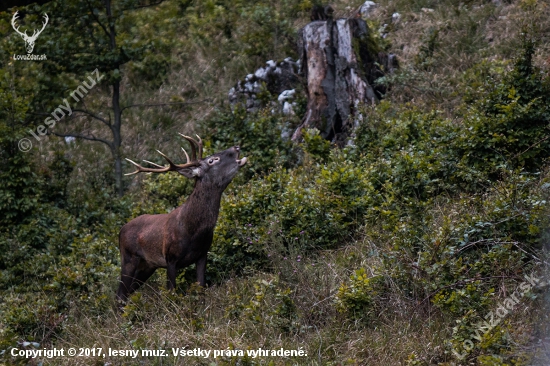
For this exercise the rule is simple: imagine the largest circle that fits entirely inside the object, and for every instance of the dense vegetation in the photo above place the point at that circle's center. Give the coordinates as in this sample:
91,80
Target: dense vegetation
389,251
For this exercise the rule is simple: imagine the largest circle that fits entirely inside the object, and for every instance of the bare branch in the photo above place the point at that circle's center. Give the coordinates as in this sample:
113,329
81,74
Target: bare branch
97,19
144,6
79,136
85,111
164,104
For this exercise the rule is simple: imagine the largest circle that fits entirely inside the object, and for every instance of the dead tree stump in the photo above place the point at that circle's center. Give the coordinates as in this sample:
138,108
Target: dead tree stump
339,64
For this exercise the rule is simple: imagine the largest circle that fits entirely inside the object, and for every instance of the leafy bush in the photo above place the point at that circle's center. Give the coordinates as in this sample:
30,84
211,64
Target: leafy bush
506,123
18,174
358,297
316,146
258,135
318,204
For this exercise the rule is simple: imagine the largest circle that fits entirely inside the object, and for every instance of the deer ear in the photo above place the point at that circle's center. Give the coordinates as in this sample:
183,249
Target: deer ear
191,172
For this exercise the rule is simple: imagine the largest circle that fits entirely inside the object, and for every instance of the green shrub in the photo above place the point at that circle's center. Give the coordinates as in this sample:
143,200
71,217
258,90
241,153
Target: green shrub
315,145
358,296
319,205
258,135
409,152
506,122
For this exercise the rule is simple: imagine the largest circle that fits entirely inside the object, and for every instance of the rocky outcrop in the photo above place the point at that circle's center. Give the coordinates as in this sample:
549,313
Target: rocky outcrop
275,78
339,66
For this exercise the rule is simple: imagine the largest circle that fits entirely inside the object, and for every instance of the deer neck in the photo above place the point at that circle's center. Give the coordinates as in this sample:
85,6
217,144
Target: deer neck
200,211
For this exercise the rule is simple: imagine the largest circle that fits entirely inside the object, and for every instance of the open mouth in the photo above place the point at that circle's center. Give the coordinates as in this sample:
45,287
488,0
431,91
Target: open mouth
242,161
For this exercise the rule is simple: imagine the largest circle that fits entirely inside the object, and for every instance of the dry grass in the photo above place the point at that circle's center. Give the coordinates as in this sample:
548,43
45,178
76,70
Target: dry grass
245,313
467,33
225,316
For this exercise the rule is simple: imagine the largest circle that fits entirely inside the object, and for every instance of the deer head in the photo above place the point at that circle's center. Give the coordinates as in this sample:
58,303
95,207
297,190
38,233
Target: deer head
217,169
29,40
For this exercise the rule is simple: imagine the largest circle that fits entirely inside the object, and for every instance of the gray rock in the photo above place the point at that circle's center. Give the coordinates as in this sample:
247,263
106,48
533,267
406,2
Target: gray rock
286,95
395,18
276,78
367,8
287,109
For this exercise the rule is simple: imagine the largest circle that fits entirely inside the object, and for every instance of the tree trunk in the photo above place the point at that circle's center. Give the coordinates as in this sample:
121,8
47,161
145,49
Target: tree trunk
117,138
339,65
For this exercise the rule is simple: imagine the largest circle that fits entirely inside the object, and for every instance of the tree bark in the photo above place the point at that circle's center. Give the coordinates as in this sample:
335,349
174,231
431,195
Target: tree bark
117,138
337,62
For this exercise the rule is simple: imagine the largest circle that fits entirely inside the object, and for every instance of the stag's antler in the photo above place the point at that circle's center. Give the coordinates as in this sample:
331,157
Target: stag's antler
195,160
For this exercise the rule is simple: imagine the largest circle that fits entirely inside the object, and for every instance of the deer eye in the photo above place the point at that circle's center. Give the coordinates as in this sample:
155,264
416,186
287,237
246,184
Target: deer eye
213,160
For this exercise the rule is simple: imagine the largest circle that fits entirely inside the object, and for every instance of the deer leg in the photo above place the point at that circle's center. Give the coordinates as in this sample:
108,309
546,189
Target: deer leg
171,276
127,274
201,271
131,279
141,276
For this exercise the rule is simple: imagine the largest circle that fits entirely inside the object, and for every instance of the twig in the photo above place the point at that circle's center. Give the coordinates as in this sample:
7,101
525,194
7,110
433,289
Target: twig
85,111
163,104
90,138
529,148
61,318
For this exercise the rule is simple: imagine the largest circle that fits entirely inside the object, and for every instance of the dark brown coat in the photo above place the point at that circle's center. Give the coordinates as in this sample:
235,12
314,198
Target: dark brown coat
183,236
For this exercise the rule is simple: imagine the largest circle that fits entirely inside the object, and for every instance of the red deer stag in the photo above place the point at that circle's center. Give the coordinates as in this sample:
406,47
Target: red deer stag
182,237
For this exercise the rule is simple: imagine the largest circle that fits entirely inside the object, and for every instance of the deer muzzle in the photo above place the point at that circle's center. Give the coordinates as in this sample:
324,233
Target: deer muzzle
242,161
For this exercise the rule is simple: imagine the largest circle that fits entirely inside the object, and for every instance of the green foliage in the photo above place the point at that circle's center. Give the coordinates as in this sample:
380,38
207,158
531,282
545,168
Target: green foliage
357,297
316,146
507,126
504,127
19,179
317,204
258,135
57,177
162,193
409,153
73,18
50,261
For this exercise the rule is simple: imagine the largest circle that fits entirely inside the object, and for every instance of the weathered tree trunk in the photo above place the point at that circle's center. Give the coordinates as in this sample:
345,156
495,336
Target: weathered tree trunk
338,62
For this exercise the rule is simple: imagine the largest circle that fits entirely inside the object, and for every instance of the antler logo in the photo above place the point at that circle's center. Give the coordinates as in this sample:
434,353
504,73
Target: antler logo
29,41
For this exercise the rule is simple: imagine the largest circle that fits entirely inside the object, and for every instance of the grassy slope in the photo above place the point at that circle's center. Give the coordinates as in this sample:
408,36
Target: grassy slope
250,311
